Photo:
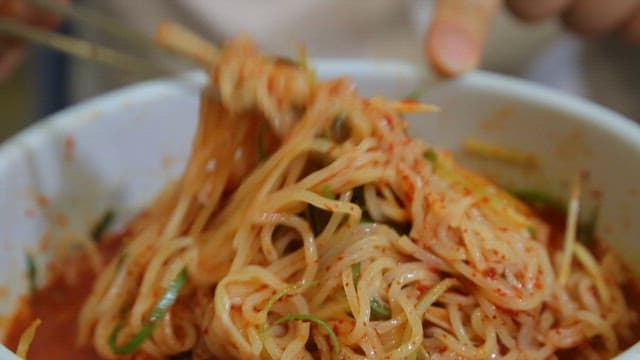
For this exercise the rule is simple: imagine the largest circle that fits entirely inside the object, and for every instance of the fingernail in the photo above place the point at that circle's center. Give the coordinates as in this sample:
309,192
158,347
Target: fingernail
454,50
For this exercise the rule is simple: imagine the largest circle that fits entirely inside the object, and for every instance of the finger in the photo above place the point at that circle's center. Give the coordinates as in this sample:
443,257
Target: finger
456,37
9,60
597,17
631,29
536,10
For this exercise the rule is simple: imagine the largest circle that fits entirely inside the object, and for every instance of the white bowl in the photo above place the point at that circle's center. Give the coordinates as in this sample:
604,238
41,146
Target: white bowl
117,150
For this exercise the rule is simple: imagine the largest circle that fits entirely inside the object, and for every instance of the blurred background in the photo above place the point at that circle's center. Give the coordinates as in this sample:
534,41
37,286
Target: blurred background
606,70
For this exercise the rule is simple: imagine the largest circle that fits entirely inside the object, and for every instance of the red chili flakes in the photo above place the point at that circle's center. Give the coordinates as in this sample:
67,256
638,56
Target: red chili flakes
490,273
42,201
30,213
421,289
69,147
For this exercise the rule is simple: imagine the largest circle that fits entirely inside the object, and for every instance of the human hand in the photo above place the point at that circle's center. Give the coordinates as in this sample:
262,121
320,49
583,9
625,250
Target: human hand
456,37
11,49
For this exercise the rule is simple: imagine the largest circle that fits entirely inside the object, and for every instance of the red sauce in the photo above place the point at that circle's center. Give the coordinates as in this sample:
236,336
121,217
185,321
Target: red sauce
58,305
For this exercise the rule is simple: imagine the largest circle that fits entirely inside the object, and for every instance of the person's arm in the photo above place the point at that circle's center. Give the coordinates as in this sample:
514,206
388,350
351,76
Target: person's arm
12,49
456,37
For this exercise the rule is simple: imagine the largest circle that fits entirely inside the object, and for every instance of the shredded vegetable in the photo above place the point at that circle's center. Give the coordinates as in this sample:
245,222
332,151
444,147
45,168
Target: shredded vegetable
161,308
432,156
326,192
355,270
32,272
538,199
101,226
306,317
379,309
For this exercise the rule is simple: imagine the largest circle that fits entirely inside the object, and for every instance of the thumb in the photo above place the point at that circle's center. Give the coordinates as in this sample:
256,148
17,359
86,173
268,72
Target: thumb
456,36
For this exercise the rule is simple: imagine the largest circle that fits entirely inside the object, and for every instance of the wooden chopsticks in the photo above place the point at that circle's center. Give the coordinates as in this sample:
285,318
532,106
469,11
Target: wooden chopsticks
79,48
170,36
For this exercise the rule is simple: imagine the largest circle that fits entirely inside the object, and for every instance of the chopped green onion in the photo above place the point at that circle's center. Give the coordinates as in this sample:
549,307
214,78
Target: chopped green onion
102,225
321,323
326,192
286,291
416,93
355,270
532,231
161,308
379,309
538,198
262,150
32,273
432,156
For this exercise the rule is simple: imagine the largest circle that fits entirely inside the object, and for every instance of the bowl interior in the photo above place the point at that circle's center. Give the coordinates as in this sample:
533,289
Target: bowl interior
118,150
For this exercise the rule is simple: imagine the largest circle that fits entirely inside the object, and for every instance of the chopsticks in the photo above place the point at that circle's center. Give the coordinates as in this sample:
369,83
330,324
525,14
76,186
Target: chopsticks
80,48
92,18
170,36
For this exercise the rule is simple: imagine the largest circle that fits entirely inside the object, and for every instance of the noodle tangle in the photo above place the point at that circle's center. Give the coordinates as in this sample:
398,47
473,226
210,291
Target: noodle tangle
312,226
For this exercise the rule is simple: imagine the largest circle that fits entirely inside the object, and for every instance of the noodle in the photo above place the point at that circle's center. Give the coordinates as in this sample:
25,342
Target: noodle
311,225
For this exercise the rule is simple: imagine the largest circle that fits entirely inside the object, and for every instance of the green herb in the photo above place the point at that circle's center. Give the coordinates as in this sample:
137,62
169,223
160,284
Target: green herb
326,192
161,308
262,150
532,231
32,273
276,297
417,93
101,227
432,156
355,270
321,323
538,199
379,309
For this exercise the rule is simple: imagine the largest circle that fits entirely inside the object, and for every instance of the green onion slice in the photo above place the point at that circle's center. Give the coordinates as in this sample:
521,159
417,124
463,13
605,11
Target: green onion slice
379,309
321,323
326,192
432,156
538,198
166,301
32,272
101,226
356,269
